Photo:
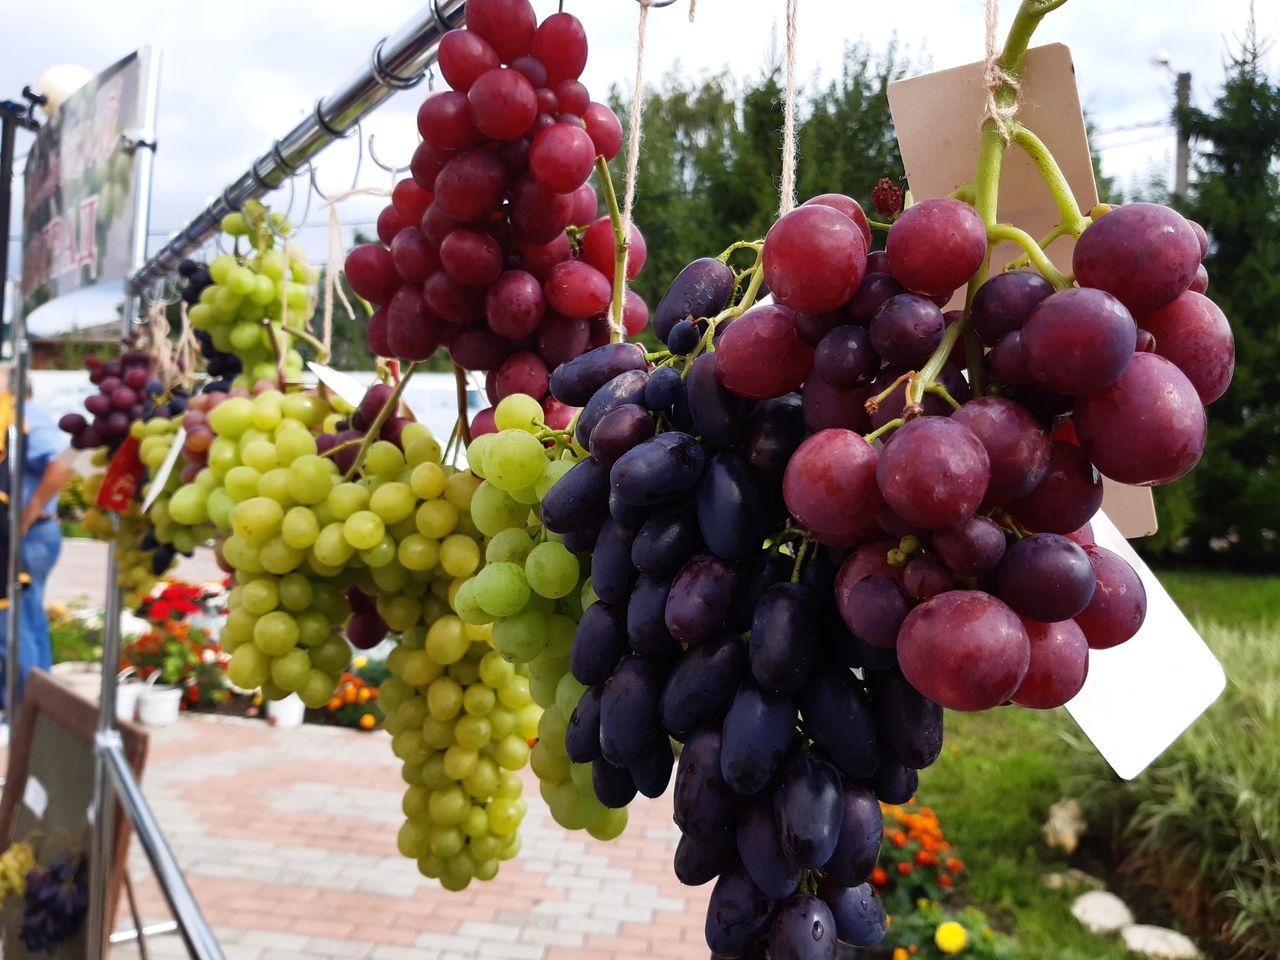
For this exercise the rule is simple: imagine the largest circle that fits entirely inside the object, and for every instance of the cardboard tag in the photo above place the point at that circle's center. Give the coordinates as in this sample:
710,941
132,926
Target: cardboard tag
1141,695
162,475
124,473
937,118
35,797
346,387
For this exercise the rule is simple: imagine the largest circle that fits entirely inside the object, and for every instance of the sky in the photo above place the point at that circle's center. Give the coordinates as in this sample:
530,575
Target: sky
237,74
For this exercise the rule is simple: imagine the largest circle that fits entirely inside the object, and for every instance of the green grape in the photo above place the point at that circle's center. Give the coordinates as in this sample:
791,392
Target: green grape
551,472
560,631
260,597
275,633
279,558
476,453
331,547
249,667
317,688
300,528
427,480
548,765
384,460
494,510
568,692
310,478
380,554
501,588
608,825
189,506
296,593
459,488
511,545
514,459
551,570
364,529
447,640
460,556
393,502
257,519
346,499
521,637
418,553
289,672
518,411
436,519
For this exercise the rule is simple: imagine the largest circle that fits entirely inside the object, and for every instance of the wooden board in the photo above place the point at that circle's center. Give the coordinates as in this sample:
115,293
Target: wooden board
49,787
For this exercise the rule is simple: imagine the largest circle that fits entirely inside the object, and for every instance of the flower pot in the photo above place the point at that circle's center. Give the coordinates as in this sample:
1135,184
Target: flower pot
128,691
159,703
286,713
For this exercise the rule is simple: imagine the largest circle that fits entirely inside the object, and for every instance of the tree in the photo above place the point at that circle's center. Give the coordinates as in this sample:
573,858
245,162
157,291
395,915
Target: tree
1234,496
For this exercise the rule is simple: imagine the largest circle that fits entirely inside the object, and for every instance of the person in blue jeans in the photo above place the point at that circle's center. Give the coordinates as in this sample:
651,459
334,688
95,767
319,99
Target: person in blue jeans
43,478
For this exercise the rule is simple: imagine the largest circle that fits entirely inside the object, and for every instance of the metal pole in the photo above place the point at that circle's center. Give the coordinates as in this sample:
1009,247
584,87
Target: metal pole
195,930
1182,165
397,62
104,798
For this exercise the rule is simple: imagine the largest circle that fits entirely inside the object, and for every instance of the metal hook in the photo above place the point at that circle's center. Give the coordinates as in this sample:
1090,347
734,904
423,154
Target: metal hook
374,157
655,3
311,172
355,180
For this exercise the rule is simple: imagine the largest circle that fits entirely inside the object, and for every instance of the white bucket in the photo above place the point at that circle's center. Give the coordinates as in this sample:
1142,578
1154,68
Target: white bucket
127,694
159,703
287,713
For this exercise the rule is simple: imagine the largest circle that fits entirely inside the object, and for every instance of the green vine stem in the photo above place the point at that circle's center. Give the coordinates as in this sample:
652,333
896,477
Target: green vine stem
1005,231
621,242
876,434
1061,230
375,428
460,397
1068,210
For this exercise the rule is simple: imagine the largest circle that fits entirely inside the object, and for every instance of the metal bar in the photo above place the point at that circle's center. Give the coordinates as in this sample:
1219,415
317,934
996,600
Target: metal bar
150,930
13,688
397,62
104,798
195,929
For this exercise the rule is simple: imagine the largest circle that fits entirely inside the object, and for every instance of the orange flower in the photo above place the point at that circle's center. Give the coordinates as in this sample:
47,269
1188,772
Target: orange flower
904,868
368,721
898,838
349,695
334,704
945,881
364,695
925,858
900,953
879,876
954,865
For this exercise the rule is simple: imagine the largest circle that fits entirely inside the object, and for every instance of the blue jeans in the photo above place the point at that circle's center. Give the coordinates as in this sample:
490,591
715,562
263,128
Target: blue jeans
40,549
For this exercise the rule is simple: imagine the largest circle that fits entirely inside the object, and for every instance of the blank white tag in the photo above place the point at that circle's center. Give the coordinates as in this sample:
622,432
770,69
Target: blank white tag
35,797
346,387
1141,695
162,475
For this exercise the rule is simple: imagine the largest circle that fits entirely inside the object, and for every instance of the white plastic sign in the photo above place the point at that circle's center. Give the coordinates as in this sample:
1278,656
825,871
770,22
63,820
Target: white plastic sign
346,387
161,478
1141,695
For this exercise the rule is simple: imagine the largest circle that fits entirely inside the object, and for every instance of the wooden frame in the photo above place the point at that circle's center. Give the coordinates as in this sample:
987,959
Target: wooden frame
75,724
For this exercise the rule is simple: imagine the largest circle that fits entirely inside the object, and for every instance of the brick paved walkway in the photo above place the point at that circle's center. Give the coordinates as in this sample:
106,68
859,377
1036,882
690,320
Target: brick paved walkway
288,841
80,575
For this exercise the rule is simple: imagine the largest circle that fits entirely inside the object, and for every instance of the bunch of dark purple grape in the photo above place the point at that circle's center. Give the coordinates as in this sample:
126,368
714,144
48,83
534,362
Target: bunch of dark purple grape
55,903
126,392
715,628
222,367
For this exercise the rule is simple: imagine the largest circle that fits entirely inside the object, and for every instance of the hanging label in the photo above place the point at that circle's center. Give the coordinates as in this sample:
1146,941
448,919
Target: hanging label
937,117
124,473
35,797
343,385
161,477
1141,695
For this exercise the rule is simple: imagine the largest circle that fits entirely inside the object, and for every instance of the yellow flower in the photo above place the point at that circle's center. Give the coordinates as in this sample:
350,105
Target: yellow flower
360,662
950,937
900,953
922,903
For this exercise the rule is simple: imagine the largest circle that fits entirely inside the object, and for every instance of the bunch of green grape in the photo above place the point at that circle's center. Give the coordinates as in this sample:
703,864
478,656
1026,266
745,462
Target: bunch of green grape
15,863
155,441
139,562
258,298
266,490
531,589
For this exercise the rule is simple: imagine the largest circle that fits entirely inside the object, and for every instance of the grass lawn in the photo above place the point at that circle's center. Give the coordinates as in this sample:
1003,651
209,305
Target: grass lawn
1000,771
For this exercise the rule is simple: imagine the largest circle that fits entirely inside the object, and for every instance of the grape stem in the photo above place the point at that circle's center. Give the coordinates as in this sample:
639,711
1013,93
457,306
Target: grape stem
742,306
375,428
801,553
963,192
621,243
460,395
873,403
755,245
1006,231
1053,177
877,225
879,432
322,352
1061,230
937,389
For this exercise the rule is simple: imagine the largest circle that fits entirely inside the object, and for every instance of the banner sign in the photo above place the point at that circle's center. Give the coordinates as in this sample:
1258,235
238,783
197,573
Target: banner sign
78,204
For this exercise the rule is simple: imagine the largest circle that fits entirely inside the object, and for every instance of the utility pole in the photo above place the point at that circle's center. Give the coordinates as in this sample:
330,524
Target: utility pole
1182,163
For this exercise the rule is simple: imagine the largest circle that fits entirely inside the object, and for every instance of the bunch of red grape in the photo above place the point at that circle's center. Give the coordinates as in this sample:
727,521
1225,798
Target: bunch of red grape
807,488
474,255
126,392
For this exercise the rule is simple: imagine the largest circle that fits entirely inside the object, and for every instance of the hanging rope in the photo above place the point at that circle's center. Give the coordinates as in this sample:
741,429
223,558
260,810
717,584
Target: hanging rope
187,346
159,345
788,188
633,134
693,6
337,256
995,77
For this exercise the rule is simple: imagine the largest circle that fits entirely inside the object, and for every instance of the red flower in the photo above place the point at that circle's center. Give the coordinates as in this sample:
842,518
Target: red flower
946,881
879,876
160,610
904,868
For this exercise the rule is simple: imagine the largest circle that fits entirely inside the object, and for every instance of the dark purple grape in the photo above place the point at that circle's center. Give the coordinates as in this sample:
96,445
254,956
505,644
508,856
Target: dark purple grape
652,770
665,540
702,289
627,515
858,912
807,808
906,330
625,389
703,803
664,387
580,499
1078,341
1016,444
655,471
575,382
1004,304
612,572
894,783
1067,496
619,430
699,599
861,830
701,861
803,929
874,608
582,736
777,429
1009,360
951,377
729,508
760,849
702,684
720,417
837,713
871,295
647,615
783,642
762,571
908,724
1046,577
683,338
737,913
925,576
971,548
629,710
758,729
613,785
599,642
582,542
846,358
827,407
812,327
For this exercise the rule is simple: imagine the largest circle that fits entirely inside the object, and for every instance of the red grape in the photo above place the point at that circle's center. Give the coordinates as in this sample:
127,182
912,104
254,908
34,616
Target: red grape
1009,360
471,186
538,259
826,406
478,348
585,206
561,44
604,129
1119,604
1143,254
845,358
514,304
390,222
522,373
1005,302
577,289
635,314
971,548
924,577
508,26
375,333
451,301
830,483
414,258
572,97
560,339
503,104
936,246
1045,577
372,273
761,356
964,650
1194,335
934,473
1058,666
561,157
1067,496
846,205
410,199
471,258
539,216
1147,428
532,69
598,249
444,120
1078,341
412,333
427,162
814,259
1016,445
871,294
906,330
463,55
